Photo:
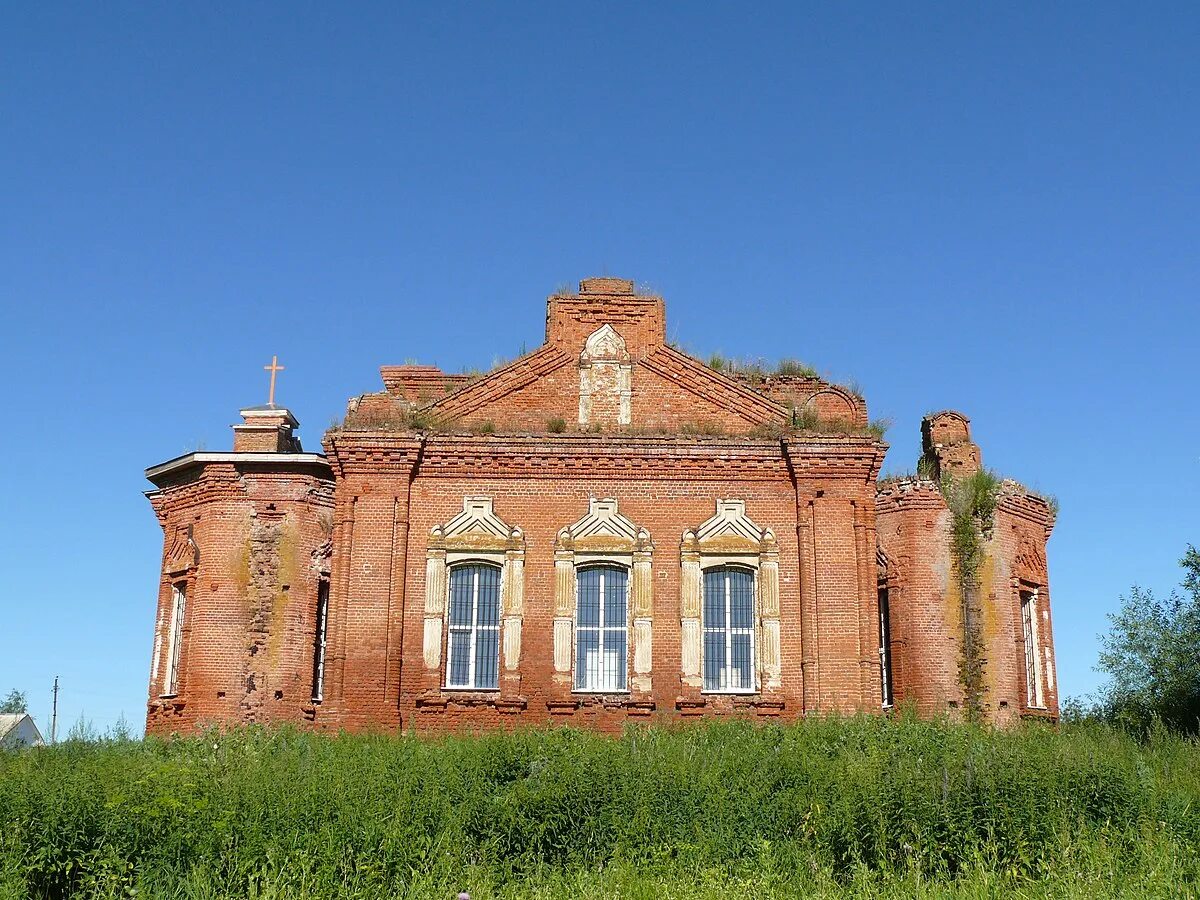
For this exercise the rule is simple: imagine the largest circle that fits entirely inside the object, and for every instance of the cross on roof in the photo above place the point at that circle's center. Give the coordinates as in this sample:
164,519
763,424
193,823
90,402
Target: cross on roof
273,368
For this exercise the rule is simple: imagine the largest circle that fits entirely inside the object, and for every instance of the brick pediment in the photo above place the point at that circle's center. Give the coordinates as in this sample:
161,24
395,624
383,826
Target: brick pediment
490,392
729,531
477,527
603,530
669,391
605,365
694,382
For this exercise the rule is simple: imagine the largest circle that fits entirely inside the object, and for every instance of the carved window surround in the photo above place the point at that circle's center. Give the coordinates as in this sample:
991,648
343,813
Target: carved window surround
605,379
181,563
476,534
730,538
1029,579
604,535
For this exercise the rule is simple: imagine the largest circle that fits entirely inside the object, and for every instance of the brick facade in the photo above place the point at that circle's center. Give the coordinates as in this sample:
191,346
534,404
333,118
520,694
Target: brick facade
603,447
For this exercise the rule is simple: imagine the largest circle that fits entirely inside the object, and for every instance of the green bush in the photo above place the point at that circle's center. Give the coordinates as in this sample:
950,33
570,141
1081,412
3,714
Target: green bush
725,809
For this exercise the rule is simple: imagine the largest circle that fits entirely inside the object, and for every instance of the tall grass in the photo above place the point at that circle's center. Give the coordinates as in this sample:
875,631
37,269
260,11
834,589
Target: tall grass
821,808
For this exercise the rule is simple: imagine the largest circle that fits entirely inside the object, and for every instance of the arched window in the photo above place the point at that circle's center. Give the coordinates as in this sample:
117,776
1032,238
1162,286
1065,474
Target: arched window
729,630
729,605
473,627
601,628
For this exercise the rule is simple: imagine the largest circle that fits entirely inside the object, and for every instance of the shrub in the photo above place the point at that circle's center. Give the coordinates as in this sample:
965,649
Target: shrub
821,803
556,425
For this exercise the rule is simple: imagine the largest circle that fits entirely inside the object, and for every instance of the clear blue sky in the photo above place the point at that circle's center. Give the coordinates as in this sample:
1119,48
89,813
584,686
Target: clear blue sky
996,210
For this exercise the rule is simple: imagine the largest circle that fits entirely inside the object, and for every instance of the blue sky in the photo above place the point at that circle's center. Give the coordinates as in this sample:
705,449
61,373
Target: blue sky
991,209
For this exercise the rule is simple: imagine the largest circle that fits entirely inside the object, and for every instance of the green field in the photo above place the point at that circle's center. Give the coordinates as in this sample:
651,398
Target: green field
858,807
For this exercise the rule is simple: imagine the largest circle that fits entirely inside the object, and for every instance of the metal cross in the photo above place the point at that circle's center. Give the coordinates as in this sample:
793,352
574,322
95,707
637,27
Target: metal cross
273,368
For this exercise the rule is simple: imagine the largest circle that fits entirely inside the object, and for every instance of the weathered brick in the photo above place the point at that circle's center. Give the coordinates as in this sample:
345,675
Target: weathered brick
252,535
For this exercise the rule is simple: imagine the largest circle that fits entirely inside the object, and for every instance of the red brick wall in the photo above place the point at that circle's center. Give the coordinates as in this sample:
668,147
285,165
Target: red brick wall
249,621
542,485
927,621
267,533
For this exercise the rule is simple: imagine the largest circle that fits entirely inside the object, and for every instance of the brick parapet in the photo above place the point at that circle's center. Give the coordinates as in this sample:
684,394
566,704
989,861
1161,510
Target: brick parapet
421,385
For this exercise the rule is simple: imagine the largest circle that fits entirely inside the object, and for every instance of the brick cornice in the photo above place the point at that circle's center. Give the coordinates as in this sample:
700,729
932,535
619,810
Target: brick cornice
835,456
373,452
599,456
624,455
183,467
908,493
1018,501
216,482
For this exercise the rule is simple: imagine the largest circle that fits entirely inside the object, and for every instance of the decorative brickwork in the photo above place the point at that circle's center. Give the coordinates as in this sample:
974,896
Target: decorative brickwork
317,588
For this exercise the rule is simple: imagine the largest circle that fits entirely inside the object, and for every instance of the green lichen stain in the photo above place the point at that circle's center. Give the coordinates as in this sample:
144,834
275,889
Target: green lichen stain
988,623
239,566
288,549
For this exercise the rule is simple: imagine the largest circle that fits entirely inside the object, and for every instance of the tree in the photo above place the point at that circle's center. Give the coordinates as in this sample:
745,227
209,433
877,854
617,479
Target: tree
15,702
1152,657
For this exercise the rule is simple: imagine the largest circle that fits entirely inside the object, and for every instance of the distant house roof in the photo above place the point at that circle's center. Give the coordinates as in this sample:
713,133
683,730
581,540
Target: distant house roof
19,730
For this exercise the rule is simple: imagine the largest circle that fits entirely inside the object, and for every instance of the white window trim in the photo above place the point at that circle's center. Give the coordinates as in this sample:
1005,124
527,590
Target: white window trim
601,564
725,566
175,638
886,679
322,631
1035,697
474,628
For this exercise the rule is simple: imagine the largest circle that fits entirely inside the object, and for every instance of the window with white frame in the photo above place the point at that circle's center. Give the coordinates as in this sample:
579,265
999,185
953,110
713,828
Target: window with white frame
473,634
318,679
601,628
175,642
728,623
885,648
1033,660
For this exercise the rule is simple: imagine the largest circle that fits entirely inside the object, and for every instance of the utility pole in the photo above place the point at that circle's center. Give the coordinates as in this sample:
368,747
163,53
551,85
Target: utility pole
54,713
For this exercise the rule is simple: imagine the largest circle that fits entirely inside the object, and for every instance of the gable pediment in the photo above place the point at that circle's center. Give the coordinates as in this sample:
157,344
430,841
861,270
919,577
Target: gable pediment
477,527
603,530
730,531
602,382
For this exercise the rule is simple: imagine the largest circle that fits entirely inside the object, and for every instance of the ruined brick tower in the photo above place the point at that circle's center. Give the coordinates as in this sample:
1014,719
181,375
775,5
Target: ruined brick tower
605,529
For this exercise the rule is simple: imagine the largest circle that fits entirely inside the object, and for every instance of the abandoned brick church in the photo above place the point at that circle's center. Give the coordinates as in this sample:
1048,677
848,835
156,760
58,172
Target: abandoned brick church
605,530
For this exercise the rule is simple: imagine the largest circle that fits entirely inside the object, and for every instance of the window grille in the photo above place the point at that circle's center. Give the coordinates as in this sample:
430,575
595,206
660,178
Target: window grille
601,628
175,647
729,630
318,678
885,648
1033,667
473,650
